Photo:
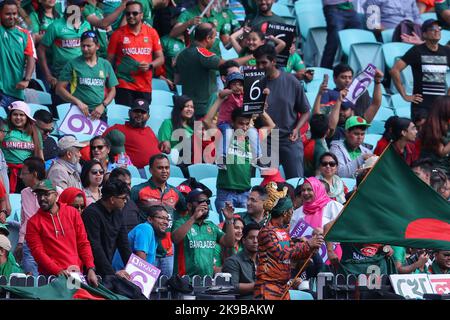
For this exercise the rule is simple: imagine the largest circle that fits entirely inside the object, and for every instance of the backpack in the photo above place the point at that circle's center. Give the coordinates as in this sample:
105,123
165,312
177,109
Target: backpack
406,27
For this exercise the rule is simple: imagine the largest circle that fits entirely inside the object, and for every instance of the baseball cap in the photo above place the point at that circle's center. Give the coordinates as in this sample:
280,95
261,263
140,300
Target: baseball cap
356,121
184,189
117,140
427,24
140,104
5,243
4,229
21,106
67,142
193,195
44,185
233,77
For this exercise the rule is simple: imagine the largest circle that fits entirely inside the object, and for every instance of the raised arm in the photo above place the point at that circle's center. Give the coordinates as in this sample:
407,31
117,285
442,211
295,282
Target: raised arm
376,98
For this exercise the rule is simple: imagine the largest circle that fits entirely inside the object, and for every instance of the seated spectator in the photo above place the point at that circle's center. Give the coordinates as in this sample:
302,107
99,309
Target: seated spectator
45,124
92,175
141,142
57,237
195,237
350,152
92,80
328,164
105,228
440,182
8,264
422,168
296,65
3,166
100,149
387,136
402,265
264,15
65,170
223,253
241,266
255,210
117,156
404,134
74,197
316,146
441,264
392,12
22,140
44,16
144,237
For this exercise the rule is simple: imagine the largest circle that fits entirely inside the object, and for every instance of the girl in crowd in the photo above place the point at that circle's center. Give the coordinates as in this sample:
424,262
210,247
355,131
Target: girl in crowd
404,133
22,141
73,197
92,178
387,136
328,163
223,253
42,18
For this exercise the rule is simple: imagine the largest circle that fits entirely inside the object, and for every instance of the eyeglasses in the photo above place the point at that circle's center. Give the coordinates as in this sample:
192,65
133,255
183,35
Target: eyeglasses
45,194
88,34
46,131
95,172
132,13
79,207
124,198
100,147
207,201
139,111
434,28
332,164
162,218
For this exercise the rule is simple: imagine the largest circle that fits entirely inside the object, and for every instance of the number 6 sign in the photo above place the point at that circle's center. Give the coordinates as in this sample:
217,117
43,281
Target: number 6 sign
76,122
253,91
361,83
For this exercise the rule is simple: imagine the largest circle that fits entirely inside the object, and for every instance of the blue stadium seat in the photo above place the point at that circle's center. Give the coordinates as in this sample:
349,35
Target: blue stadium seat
117,111
164,112
35,107
13,220
256,181
211,184
319,73
3,113
160,97
175,171
376,127
227,54
348,37
38,97
398,102
295,181
203,170
155,122
428,15
349,182
394,50
383,114
213,204
372,139
213,216
300,295
114,121
282,10
445,37
136,181
175,181
361,54
134,172
158,84
387,35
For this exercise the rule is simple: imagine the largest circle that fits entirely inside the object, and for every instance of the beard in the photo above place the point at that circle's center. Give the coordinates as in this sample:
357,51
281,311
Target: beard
136,124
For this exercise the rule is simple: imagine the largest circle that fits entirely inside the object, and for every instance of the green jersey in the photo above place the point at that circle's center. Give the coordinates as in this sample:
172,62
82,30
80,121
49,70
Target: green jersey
353,153
294,63
88,83
109,6
231,22
40,26
195,254
171,48
101,33
166,129
18,145
15,44
64,43
215,18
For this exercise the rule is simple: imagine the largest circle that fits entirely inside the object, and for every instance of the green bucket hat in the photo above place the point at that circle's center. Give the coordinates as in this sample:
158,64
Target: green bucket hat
44,185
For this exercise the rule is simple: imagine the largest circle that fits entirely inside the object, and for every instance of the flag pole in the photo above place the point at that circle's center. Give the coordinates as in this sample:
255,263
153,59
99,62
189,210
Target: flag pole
332,224
201,15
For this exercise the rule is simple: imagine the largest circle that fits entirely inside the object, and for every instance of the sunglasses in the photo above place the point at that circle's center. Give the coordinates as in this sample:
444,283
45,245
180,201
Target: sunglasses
95,172
47,131
332,164
132,13
207,201
100,148
79,207
124,198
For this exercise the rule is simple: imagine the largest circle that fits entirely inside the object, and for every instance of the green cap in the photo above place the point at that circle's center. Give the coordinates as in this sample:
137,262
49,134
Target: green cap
44,185
356,121
117,141
4,229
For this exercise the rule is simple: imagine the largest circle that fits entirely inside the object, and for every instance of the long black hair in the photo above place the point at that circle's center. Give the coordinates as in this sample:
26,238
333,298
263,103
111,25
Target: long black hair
179,103
41,13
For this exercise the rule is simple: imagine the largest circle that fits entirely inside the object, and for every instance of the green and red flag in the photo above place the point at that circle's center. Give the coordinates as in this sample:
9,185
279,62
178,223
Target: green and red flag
393,206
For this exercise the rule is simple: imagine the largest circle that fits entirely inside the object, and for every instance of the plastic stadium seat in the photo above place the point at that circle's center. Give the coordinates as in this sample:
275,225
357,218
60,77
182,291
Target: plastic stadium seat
164,112
13,220
213,216
398,102
155,122
428,15
175,181
348,37
372,139
376,127
282,10
203,170
35,107
349,182
113,121
62,110
404,112
383,114
176,172
445,37
213,203
38,97
227,54
311,95
211,183
394,50
117,111
295,181
158,84
136,181
314,46
308,19
361,54
387,35
160,97
319,73
3,113
300,295
256,181
134,172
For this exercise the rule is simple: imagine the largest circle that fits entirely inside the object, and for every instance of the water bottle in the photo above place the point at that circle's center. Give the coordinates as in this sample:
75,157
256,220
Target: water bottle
122,160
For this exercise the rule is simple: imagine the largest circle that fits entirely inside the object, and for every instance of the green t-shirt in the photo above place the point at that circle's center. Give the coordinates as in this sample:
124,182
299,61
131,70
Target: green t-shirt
88,83
101,33
231,22
166,129
215,18
237,175
171,48
10,266
203,65
219,256
353,153
40,26
15,44
294,63
64,43
18,145
196,256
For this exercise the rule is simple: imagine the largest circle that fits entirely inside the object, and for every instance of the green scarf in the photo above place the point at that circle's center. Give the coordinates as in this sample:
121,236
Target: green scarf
10,266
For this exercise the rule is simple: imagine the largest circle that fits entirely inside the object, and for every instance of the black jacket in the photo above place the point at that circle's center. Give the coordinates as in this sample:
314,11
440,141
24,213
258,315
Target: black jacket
106,232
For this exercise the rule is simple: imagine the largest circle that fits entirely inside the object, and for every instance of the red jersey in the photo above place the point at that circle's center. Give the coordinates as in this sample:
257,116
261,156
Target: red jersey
130,50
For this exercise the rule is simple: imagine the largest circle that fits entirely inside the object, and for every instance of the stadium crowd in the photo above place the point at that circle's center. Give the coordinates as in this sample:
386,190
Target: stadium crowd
182,176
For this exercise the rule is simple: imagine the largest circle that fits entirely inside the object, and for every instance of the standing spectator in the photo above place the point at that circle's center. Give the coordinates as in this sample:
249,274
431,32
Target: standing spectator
191,17
443,13
8,264
156,191
45,124
141,142
350,152
91,78
339,15
196,237
223,253
242,266
91,177
131,213
16,55
57,237
61,43
264,15
33,172
328,164
429,63
74,197
255,210
393,12
23,140
287,99
134,50
105,228
65,170
42,18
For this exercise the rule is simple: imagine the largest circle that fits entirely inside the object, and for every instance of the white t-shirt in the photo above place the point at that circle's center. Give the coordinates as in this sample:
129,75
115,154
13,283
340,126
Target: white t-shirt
330,212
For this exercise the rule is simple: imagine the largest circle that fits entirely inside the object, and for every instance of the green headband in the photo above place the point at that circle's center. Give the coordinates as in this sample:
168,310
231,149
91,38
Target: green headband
283,205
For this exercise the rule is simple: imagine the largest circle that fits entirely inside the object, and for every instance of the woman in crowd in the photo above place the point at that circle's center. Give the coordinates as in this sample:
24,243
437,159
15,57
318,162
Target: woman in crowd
387,136
100,148
22,141
42,18
404,133
328,163
92,178
223,253
74,197
440,183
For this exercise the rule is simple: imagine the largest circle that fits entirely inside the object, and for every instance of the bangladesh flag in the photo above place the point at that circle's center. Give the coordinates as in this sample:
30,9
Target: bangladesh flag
60,290
393,206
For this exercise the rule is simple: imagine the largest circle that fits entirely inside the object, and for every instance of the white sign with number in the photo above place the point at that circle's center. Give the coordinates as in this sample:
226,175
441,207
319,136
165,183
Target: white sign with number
253,91
411,286
360,84
75,122
142,274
